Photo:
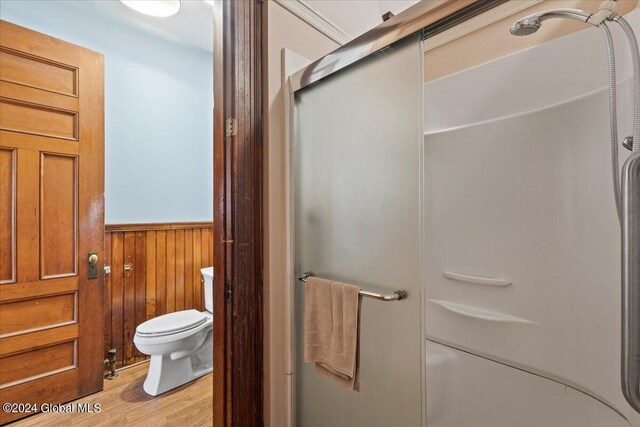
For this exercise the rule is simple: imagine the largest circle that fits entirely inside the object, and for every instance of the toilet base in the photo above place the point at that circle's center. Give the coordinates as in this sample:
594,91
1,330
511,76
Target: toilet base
174,376
166,373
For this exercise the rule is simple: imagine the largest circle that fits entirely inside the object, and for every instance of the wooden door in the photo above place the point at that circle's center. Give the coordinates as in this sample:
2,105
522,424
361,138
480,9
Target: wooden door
51,218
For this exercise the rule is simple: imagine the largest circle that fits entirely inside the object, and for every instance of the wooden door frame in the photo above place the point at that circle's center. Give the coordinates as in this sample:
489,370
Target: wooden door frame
238,167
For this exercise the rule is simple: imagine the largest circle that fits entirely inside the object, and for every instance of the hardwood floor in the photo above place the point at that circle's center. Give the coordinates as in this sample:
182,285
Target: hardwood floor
124,403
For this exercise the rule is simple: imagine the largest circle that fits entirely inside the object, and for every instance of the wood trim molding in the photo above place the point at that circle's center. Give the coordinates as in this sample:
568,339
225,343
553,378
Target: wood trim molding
221,372
308,14
238,198
493,15
158,226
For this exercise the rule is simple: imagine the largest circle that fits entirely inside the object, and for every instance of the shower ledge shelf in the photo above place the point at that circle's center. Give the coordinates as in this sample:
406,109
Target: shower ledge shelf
479,313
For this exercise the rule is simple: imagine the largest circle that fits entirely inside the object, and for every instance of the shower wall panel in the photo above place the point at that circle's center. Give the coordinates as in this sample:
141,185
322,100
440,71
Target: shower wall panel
522,257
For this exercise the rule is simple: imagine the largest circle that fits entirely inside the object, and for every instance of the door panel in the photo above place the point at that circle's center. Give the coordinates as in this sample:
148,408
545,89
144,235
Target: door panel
37,120
358,164
23,367
51,217
7,215
34,314
58,227
38,73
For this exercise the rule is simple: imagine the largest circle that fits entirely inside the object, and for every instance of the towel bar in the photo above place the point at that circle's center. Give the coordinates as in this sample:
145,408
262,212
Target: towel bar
396,296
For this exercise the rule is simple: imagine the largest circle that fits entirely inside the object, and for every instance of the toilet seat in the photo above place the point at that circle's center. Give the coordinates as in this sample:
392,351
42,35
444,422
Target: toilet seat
171,323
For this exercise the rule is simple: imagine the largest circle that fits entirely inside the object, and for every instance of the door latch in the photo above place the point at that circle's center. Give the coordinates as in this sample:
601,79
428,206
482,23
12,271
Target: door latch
92,261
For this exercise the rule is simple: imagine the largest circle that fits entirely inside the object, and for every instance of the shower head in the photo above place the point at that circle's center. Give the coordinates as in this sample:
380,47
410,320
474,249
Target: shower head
532,23
524,27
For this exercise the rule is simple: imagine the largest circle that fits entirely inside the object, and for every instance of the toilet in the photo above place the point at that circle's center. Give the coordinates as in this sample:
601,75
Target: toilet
180,344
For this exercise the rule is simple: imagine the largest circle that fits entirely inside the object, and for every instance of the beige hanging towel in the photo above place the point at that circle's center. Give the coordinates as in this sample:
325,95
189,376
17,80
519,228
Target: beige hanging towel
331,329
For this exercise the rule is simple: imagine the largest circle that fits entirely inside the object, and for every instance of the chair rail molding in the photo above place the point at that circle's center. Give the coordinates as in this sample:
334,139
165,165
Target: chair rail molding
308,14
158,226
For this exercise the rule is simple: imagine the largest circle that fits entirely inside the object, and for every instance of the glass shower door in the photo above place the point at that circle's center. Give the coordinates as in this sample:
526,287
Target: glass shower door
357,160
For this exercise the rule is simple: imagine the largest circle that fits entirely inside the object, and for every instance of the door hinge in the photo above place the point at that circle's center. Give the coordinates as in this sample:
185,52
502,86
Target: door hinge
227,289
230,127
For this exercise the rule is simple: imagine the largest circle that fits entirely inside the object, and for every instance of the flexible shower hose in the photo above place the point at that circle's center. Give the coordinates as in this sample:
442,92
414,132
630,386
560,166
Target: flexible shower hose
613,114
635,55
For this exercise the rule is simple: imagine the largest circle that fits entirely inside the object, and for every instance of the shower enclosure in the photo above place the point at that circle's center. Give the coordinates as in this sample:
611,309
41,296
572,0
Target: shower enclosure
487,197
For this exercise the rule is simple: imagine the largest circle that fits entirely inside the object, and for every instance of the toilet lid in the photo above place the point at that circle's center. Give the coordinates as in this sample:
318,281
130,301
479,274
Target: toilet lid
172,323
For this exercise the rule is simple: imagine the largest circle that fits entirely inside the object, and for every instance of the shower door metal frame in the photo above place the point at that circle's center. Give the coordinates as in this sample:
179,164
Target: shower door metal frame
631,281
420,17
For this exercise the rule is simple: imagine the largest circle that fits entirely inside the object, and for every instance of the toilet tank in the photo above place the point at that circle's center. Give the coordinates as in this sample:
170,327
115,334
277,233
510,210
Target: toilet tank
207,275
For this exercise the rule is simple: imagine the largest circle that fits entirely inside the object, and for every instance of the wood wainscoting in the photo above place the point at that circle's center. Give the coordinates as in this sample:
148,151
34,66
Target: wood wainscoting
155,269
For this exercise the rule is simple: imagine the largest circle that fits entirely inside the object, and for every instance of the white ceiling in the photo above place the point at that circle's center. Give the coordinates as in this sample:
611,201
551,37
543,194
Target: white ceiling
355,17
193,24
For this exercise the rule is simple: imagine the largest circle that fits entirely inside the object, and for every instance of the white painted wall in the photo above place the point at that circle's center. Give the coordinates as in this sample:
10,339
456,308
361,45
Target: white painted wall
356,17
158,111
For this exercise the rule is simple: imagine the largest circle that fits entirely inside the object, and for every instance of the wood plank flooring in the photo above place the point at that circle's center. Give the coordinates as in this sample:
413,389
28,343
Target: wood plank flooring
124,403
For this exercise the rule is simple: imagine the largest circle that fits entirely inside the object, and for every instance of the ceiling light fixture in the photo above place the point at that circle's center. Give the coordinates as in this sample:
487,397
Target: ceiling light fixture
158,8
